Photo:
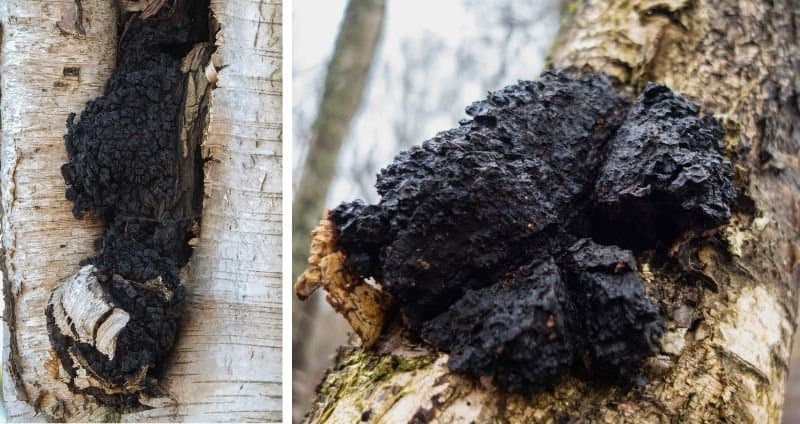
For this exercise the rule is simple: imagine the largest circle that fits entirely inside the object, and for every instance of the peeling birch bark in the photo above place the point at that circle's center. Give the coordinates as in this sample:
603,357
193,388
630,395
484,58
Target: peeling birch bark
731,302
86,313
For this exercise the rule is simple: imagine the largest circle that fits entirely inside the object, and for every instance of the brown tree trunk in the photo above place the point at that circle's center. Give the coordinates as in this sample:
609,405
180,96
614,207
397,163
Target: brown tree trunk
738,60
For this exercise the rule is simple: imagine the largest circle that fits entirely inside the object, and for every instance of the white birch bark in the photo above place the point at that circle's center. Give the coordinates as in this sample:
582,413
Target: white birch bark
227,362
54,57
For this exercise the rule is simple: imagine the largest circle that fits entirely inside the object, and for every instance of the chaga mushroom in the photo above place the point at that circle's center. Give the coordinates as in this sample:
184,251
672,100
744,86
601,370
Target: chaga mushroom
508,242
522,333
134,160
616,324
664,172
465,207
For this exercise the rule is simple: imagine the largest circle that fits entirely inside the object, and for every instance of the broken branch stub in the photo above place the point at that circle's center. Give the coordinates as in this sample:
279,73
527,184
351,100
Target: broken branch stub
363,306
134,160
506,241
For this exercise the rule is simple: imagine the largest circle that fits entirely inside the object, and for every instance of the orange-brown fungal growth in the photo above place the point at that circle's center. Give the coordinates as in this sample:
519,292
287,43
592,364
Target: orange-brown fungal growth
363,305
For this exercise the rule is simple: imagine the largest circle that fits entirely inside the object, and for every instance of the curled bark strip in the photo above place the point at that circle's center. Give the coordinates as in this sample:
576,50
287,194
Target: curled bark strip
84,311
152,8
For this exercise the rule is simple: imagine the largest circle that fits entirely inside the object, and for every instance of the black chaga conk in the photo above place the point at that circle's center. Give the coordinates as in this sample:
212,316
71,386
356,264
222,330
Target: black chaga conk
521,332
503,241
134,160
664,172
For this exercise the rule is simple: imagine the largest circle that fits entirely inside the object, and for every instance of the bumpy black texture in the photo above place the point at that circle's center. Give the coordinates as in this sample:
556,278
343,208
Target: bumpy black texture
616,322
126,165
455,211
664,172
123,151
483,233
151,331
520,332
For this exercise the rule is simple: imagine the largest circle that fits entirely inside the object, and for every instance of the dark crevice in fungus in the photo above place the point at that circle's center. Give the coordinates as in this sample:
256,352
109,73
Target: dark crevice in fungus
664,173
135,161
509,241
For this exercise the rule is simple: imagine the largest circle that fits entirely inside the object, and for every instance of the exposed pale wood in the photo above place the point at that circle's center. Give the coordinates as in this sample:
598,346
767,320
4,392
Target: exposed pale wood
738,59
363,305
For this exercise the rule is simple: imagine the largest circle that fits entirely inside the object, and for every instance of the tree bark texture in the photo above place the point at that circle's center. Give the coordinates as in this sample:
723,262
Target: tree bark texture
731,305
226,364
55,56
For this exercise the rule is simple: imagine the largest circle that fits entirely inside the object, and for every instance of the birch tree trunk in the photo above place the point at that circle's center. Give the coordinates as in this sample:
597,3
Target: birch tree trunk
55,57
731,307
226,365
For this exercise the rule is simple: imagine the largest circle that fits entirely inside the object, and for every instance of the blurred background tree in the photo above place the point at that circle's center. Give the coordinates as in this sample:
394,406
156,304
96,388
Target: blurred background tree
345,80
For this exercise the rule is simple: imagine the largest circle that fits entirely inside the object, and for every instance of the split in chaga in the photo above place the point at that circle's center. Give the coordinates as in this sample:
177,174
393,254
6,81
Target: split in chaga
507,242
135,161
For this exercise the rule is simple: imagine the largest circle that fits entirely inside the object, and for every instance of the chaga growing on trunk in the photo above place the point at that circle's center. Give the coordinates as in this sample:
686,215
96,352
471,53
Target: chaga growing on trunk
134,159
664,173
528,331
467,207
521,333
484,235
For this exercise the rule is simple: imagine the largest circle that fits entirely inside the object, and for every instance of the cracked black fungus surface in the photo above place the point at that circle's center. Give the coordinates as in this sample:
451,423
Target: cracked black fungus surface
508,241
124,165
